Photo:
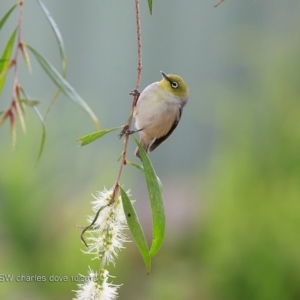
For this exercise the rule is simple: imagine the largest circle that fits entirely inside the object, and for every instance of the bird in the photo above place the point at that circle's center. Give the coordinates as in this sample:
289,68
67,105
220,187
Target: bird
158,110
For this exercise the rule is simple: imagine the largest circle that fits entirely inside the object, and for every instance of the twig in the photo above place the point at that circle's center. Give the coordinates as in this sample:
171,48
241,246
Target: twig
127,127
19,45
139,40
15,108
219,3
20,20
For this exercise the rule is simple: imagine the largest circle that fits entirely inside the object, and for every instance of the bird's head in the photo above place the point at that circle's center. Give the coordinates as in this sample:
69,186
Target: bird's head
174,85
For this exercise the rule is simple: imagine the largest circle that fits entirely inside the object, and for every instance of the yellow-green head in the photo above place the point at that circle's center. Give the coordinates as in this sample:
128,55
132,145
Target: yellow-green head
174,85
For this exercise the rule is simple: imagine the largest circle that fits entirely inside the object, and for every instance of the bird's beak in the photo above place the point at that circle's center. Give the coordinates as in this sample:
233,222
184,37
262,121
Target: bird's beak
165,76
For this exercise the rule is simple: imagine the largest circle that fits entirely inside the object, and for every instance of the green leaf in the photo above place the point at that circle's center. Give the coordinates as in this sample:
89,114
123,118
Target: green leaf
5,17
136,229
43,139
89,138
5,59
31,102
150,6
61,83
62,51
58,37
156,201
138,166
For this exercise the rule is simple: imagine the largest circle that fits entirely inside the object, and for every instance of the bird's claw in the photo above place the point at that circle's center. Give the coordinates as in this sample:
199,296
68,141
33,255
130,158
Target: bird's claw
125,131
129,132
135,93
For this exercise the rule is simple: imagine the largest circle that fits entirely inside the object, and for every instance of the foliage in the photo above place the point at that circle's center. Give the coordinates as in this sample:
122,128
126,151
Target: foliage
242,240
17,107
106,236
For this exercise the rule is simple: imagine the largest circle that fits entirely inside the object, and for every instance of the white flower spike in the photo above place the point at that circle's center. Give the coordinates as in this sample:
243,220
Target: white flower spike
106,235
97,288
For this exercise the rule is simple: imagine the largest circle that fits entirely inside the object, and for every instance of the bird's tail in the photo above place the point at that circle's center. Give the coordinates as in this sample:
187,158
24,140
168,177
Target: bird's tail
144,145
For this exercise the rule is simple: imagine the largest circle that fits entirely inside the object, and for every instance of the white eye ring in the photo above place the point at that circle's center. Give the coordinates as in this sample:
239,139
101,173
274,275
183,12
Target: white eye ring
174,85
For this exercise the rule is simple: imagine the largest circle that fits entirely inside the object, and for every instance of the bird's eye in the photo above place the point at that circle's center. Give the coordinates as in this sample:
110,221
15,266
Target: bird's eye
174,85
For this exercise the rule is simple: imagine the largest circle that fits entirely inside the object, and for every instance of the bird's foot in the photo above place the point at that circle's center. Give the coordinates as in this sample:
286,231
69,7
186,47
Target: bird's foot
126,131
135,93
129,132
123,132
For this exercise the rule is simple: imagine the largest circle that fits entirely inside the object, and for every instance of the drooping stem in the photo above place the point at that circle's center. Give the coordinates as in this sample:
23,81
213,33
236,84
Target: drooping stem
127,127
139,44
19,41
15,109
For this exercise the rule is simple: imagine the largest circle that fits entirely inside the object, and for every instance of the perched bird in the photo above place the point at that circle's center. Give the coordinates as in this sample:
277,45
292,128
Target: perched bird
158,110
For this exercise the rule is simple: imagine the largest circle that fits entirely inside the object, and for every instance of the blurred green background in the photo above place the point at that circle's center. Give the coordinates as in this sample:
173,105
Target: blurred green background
230,171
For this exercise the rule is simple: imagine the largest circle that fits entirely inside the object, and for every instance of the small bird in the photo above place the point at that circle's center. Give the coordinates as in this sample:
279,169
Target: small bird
158,110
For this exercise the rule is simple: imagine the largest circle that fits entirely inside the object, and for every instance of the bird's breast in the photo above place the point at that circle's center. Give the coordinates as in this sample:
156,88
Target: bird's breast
156,112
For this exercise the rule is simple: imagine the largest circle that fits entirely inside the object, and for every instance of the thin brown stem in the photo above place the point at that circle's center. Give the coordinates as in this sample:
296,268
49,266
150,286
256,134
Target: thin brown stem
14,106
19,41
219,3
127,127
139,40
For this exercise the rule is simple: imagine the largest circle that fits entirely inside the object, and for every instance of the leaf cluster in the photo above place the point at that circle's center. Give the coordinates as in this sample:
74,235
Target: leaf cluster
20,99
155,197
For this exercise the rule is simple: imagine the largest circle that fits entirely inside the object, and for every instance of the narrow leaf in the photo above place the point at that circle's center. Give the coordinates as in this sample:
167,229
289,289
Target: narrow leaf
5,59
4,115
89,138
150,6
5,17
31,102
61,83
13,130
22,106
20,115
52,102
138,166
62,51
58,37
25,56
6,68
43,139
136,229
156,201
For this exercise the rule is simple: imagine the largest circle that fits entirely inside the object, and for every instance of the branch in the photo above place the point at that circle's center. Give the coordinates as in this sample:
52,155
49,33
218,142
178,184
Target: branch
127,127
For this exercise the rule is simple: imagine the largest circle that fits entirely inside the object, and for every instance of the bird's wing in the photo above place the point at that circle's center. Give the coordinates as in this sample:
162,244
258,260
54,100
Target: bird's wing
160,140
